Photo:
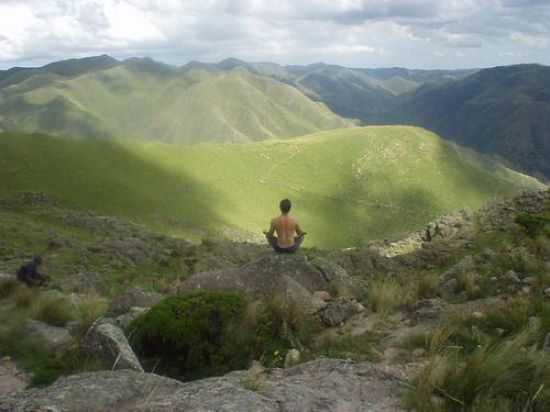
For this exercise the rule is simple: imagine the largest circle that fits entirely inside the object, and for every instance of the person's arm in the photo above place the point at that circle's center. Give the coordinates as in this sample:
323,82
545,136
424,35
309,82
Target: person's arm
299,230
271,230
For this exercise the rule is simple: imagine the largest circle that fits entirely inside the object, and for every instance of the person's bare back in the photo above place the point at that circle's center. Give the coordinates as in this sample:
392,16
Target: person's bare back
289,234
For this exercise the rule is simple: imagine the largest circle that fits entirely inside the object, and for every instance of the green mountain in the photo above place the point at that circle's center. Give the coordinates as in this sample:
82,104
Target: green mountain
365,94
503,111
140,98
348,185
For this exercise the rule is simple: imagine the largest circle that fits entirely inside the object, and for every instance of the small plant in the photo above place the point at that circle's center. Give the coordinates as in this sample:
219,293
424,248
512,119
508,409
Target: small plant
55,311
359,348
90,308
387,295
428,286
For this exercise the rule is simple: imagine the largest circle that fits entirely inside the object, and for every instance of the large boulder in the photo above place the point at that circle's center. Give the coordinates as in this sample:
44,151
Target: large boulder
261,278
340,281
133,297
321,385
107,340
54,338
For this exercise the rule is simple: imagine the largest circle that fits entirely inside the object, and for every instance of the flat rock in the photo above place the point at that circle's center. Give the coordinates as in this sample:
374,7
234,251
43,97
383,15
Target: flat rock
320,385
134,297
263,277
55,338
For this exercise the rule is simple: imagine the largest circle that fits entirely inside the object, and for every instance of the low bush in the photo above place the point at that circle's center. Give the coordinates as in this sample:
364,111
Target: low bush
195,335
534,224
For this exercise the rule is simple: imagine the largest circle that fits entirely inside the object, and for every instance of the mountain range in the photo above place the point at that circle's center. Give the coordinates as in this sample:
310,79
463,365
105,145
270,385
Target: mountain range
501,111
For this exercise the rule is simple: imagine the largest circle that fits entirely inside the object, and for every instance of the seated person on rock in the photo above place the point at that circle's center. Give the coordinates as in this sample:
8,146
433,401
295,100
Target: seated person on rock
286,227
30,275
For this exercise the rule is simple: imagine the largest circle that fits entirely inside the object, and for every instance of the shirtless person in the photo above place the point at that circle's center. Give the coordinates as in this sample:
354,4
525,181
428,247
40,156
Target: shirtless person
286,227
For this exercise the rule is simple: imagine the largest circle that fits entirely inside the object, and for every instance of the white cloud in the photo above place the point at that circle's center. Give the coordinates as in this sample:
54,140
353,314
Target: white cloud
354,32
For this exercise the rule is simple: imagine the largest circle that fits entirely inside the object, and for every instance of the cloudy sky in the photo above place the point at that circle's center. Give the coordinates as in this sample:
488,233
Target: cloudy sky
361,33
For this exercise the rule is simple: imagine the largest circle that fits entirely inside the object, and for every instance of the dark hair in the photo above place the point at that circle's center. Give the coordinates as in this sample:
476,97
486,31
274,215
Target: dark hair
285,205
37,260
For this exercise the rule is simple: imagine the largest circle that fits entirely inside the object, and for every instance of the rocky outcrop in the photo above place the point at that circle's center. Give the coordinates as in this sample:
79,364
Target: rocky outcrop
340,310
321,385
109,342
263,277
134,297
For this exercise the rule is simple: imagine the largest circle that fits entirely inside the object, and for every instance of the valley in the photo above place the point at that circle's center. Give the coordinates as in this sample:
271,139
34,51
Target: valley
349,186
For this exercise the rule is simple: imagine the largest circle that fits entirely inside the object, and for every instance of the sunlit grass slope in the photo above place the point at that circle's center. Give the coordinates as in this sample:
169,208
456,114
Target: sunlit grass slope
347,185
169,106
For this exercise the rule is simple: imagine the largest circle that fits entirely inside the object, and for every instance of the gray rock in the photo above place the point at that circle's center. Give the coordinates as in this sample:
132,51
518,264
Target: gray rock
546,345
134,297
123,321
261,278
338,278
109,342
54,338
512,276
322,385
547,292
340,310
429,309
6,276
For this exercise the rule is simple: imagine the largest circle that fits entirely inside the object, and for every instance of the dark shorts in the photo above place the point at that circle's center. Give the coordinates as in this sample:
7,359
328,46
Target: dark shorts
272,240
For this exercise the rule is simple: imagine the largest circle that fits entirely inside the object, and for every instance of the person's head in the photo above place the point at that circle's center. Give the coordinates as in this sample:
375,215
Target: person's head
285,206
37,260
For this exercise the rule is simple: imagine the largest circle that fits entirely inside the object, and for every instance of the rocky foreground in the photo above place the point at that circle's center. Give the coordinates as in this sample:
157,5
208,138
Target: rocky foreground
320,385
478,262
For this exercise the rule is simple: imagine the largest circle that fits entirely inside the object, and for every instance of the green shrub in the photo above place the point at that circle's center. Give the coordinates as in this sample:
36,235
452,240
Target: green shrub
534,224
55,311
195,335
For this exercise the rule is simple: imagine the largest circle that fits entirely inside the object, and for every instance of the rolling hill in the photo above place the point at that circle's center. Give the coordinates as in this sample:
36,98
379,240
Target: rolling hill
502,110
140,98
348,185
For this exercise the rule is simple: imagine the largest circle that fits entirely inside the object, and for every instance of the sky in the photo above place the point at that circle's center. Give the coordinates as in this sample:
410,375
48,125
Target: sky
357,33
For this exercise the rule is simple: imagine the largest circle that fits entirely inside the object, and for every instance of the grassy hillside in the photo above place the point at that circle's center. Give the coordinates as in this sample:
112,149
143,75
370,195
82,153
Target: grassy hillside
503,110
348,185
148,100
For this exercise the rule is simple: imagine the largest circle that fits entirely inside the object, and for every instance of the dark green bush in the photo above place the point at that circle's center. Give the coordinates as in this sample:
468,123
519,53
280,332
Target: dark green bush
202,334
534,224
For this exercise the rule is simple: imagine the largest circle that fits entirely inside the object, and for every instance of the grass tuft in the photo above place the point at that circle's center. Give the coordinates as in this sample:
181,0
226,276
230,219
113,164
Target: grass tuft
55,311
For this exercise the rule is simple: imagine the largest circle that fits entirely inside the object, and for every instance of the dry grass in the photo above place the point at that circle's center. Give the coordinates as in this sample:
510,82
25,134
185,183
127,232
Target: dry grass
55,311
385,296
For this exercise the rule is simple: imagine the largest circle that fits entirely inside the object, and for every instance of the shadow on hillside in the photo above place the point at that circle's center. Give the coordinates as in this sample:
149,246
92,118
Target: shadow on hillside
110,178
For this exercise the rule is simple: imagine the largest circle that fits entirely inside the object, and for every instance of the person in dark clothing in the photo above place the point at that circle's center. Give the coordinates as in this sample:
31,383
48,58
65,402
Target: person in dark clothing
30,275
286,227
